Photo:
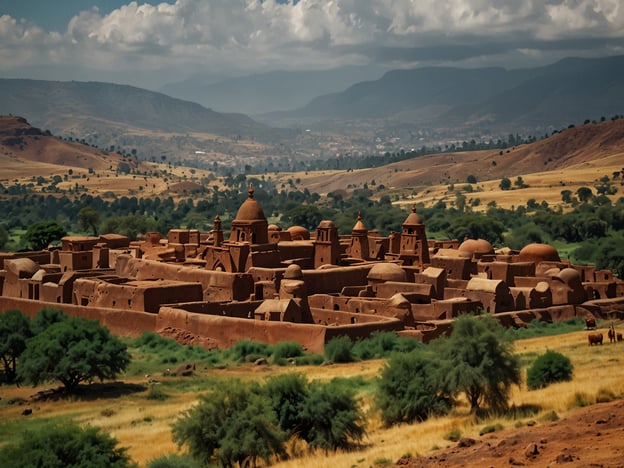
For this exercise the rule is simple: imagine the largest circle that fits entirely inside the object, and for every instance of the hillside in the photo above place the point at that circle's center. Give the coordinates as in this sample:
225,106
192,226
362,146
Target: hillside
480,100
576,157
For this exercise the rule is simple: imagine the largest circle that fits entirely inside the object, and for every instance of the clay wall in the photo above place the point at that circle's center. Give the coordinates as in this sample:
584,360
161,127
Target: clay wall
456,267
40,257
332,280
390,288
216,285
119,322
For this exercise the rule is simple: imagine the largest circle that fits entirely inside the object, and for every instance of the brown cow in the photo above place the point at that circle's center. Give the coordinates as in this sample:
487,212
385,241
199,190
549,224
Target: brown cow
618,336
590,323
611,334
594,339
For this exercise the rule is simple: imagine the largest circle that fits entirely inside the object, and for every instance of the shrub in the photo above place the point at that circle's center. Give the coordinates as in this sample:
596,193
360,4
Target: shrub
453,435
235,423
66,445
339,349
550,367
382,344
173,461
491,428
287,349
246,350
410,389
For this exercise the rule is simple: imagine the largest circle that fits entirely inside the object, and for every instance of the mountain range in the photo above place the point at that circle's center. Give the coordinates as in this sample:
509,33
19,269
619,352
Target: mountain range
439,104
568,91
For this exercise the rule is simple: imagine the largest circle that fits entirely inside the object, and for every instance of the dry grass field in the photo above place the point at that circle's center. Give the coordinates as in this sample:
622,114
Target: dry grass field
143,425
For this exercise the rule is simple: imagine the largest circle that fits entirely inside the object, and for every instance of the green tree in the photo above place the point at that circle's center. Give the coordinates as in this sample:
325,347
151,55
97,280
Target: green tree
15,330
476,226
47,317
39,235
89,218
331,416
73,351
233,424
548,368
584,194
505,184
411,388
471,179
477,360
4,237
66,445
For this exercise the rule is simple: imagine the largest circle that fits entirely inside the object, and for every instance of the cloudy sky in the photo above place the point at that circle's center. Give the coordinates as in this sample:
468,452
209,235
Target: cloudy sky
152,43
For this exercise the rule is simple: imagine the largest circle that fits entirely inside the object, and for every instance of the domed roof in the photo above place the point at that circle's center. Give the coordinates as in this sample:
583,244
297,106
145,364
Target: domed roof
298,233
250,210
293,272
570,276
476,246
538,253
359,225
273,227
386,271
413,218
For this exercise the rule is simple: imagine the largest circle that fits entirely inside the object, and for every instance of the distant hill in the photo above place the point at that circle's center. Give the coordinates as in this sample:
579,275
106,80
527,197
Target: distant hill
264,92
58,106
565,92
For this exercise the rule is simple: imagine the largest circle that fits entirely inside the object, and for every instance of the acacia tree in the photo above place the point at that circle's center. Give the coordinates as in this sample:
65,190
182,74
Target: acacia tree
39,235
477,360
411,388
72,351
15,330
233,424
89,219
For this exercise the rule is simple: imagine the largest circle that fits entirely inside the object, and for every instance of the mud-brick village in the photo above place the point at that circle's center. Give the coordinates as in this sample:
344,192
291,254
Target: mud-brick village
267,283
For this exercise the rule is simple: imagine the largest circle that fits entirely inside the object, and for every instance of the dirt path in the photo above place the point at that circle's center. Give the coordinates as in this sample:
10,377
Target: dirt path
589,437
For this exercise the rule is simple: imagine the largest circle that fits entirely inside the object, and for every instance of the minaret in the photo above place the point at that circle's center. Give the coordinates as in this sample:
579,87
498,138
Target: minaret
359,240
414,247
326,244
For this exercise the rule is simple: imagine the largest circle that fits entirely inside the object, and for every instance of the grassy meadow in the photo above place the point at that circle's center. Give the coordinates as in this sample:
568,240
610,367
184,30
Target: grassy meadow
139,409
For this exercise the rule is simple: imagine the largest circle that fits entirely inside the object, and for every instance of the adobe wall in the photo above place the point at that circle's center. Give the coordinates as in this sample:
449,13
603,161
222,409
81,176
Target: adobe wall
332,280
119,322
226,331
216,285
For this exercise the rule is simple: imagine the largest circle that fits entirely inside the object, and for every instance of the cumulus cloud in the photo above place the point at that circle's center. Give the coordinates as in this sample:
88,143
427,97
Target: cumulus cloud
243,36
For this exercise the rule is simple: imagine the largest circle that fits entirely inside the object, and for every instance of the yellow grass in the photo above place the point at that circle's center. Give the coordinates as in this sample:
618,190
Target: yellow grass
143,426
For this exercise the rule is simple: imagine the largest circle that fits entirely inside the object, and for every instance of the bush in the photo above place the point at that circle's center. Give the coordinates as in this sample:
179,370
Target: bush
382,344
410,389
287,349
66,445
173,461
233,424
339,349
550,367
246,350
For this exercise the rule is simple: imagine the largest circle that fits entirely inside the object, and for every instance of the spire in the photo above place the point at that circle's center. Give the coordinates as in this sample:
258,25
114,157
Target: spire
251,190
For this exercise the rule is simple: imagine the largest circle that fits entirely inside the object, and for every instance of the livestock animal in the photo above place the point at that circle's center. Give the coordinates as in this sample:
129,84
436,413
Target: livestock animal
611,334
594,339
618,336
590,323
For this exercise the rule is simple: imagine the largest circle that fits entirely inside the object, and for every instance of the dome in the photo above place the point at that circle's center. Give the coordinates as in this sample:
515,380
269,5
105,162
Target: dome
537,253
381,272
298,233
274,227
570,276
250,210
293,272
413,218
476,246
